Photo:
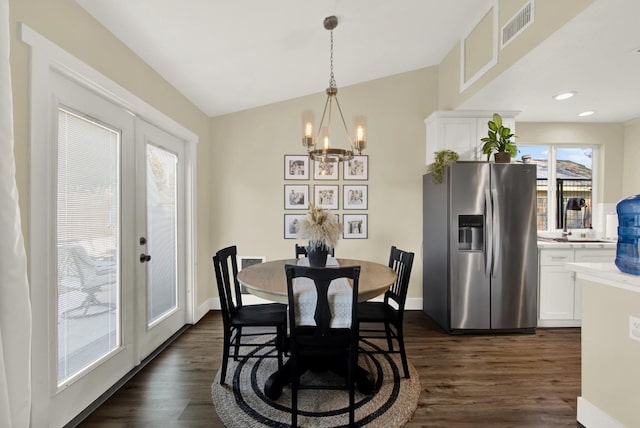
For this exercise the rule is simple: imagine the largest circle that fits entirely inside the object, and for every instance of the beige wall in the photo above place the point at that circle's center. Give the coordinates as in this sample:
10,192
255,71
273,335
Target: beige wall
631,178
610,136
479,46
248,162
70,27
609,357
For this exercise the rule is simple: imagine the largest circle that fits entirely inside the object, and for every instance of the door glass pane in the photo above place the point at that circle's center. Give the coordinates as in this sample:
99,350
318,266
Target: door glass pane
540,157
162,287
573,181
88,230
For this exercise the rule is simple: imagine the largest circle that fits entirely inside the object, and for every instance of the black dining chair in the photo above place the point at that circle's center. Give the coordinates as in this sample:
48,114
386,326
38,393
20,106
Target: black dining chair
386,315
321,341
236,316
302,251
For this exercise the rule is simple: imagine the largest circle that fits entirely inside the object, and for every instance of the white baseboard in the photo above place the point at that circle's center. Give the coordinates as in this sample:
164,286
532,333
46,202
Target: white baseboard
559,323
206,306
591,416
413,304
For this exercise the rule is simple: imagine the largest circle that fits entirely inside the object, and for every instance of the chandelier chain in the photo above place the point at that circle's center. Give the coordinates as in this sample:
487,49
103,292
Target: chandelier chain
332,80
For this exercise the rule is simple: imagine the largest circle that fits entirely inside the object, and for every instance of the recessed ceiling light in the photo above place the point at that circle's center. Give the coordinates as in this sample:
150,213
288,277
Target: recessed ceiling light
586,113
564,95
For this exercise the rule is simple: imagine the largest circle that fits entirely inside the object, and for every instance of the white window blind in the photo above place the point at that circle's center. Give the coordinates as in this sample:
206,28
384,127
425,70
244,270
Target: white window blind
88,230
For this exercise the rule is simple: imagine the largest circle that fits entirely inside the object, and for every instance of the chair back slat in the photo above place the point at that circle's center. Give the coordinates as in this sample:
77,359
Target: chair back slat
322,278
226,268
402,263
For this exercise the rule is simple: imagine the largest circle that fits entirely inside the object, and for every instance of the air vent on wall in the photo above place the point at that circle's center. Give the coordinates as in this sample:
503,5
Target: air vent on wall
518,23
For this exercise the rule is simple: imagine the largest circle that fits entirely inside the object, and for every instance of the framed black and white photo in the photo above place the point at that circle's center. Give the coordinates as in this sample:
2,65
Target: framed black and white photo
354,197
296,167
291,225
356,168
325,196
325,170
245,262
355,226
296,196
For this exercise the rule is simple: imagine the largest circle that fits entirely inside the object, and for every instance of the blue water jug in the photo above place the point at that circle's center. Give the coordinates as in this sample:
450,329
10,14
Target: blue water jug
628,249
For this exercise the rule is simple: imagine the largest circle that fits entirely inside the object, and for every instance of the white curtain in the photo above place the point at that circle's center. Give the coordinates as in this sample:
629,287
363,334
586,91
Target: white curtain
15,307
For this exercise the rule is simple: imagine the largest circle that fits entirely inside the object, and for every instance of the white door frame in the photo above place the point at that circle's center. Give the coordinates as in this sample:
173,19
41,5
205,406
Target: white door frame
46,56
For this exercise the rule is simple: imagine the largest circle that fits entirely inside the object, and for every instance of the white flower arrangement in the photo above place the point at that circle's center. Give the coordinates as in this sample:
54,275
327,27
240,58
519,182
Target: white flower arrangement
320,227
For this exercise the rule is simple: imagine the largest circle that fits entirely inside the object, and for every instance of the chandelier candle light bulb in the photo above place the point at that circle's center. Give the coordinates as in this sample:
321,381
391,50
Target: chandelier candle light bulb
361,141
307,140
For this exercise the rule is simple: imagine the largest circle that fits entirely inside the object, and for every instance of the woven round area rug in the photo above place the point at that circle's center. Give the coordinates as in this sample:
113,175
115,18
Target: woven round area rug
242,402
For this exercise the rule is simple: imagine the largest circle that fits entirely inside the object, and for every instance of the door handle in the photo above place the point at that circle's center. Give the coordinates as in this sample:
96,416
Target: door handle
144,258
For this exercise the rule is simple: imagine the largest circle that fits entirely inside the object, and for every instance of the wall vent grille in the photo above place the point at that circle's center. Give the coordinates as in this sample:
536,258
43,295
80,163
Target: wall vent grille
518,23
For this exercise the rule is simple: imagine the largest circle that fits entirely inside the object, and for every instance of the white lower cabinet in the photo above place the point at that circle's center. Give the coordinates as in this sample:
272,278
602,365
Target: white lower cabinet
559,297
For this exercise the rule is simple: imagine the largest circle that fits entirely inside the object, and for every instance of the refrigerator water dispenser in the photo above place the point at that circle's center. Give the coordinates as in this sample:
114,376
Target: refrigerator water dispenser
470,232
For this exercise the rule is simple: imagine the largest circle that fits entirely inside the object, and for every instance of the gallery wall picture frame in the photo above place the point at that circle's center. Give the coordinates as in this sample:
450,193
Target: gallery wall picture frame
356,168
296,196
325,170
245,262
326,196
355,197
296,167
291,225
355,226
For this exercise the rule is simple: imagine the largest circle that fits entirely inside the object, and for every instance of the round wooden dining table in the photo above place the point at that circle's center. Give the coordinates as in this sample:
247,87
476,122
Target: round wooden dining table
268,281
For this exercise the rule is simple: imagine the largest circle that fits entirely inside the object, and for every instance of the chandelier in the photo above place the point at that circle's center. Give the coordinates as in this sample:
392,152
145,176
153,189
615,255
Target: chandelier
326,153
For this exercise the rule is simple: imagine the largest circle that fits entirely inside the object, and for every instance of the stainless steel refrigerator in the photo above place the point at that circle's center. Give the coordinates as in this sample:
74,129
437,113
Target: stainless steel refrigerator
480,262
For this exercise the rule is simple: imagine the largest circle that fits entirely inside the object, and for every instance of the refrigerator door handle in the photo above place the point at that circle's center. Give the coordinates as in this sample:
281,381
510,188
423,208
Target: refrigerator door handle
495,228
488,251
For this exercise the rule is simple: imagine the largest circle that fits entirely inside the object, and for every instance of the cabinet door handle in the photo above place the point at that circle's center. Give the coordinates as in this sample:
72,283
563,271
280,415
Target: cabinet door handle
558,257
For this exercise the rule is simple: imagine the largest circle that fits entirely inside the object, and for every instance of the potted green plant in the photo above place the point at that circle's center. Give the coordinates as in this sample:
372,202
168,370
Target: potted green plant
323,230
442,159
499,141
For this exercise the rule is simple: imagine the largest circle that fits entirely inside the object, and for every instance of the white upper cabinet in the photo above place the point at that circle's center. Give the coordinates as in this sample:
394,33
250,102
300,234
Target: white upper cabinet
461,132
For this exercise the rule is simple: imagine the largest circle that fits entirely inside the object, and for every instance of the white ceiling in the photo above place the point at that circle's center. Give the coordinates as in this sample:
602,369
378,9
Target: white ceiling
227,56
596,54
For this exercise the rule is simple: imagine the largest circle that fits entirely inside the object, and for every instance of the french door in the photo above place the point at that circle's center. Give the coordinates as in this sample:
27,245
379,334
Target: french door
160,210
107,282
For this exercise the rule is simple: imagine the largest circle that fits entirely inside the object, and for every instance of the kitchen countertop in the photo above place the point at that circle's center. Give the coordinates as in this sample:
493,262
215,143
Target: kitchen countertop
606,273
550,243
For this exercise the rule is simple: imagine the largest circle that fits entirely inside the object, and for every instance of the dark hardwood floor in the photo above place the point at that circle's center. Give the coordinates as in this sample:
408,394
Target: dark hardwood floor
510,380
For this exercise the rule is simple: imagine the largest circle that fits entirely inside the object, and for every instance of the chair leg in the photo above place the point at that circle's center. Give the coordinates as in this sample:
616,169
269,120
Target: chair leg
279,345
352,387
403,353
225,356
237,343
295,384
387,330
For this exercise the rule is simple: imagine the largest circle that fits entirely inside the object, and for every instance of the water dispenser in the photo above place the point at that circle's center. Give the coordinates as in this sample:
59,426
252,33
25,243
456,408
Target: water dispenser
628,248
470,232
